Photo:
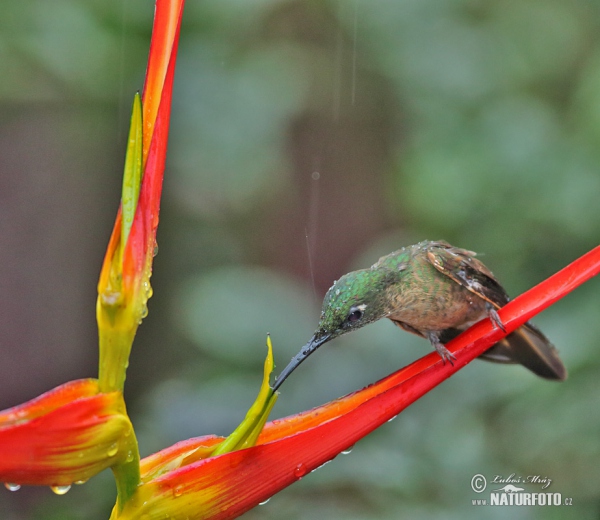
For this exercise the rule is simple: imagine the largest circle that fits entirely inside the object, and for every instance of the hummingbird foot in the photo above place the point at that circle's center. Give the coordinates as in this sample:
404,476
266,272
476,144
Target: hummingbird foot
493,315
444,353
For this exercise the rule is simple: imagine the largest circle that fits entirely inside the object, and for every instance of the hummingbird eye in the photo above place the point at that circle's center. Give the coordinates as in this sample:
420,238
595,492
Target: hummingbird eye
355,315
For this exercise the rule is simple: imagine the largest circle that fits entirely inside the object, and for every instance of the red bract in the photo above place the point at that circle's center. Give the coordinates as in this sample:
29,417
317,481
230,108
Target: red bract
156,101
124,285
63,436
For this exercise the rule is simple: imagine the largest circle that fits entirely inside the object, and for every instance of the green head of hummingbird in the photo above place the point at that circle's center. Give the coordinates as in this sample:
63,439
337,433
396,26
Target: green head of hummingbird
355,300
436,291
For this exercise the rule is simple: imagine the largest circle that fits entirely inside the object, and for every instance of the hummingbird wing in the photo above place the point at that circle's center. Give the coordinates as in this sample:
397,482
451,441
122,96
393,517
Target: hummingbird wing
526,345
461,266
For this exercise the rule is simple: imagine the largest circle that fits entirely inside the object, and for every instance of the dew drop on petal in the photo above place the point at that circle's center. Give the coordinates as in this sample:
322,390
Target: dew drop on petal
264,502
80,482
112,450
12,487
60,490
348,450
178,491
300,471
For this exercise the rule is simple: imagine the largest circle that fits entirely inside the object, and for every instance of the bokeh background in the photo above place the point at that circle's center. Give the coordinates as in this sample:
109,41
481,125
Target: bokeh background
308,139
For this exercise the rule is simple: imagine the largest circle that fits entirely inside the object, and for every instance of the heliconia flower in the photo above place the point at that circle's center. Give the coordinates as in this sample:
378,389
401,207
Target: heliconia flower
74,431
190,481
124,285
78,429
66,435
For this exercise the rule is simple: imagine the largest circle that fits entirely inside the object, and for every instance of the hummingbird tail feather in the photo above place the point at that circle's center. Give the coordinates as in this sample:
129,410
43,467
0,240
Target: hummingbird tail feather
530,348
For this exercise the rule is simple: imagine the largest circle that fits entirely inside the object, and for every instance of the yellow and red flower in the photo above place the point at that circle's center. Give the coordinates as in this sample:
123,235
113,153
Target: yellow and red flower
66,435
80,428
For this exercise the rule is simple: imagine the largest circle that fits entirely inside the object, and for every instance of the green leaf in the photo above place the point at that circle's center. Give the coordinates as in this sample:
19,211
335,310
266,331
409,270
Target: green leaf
132,176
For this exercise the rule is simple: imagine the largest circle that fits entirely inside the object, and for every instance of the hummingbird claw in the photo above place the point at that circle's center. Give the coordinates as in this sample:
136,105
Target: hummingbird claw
493,315
444,353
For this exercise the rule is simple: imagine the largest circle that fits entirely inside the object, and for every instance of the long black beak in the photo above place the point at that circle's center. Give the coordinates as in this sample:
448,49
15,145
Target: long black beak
306,351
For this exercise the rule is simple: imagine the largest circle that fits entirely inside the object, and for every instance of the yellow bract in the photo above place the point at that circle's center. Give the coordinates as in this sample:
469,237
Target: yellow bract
163,494
247,432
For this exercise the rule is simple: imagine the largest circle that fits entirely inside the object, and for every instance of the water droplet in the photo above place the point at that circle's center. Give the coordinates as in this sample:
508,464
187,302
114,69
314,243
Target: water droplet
234,462
80,482
316,176
12,487
348,450
390,420
129,457
60,490
263,503
300,471
337,293
178,491
155,250
112,450
148,289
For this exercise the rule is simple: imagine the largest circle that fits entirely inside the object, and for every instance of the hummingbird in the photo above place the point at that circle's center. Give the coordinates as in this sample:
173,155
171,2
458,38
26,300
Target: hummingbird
433,290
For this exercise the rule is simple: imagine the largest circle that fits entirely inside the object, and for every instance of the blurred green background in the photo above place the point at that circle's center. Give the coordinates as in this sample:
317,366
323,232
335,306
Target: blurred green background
309,138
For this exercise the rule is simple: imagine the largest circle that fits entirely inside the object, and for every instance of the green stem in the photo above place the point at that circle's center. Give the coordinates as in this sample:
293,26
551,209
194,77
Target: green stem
127,474
115,347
